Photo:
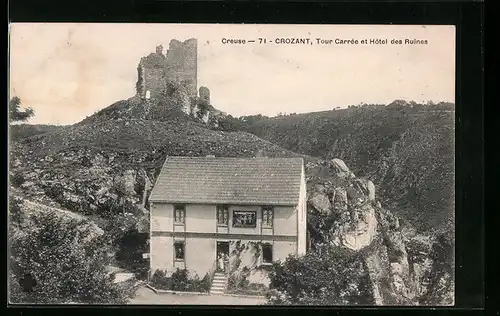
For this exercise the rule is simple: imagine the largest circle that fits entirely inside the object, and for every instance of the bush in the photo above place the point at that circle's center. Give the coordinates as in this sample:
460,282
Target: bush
180,281
55,192
66,265
197,285
160,281
332,277
17,180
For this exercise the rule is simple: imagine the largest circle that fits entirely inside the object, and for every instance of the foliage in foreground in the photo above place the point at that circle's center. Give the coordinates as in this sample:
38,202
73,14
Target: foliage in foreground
322,277
65,259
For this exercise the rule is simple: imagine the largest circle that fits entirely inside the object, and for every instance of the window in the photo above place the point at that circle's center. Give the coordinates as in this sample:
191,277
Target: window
222,215
179,214
244,219
267,253
267,216
179,250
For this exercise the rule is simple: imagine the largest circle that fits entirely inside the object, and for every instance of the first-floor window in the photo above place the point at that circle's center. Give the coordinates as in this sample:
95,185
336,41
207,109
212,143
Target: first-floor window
179,214
179,250
267,253
222,215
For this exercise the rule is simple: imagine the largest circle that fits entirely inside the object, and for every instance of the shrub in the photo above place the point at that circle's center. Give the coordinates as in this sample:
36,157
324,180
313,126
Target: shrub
55,192
160,281
332,277
197,285
67,266
17,180
180,281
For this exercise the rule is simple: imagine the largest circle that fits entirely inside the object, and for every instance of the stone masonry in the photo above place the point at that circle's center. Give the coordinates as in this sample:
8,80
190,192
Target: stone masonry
178,65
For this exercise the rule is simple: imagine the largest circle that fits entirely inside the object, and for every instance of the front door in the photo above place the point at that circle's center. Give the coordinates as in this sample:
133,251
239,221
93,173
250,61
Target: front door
222,255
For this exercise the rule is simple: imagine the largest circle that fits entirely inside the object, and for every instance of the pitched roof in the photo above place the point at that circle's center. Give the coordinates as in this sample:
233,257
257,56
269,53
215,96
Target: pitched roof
204,180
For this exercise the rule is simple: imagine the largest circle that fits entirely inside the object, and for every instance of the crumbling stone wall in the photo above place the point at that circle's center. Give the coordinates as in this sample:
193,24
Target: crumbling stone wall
179,65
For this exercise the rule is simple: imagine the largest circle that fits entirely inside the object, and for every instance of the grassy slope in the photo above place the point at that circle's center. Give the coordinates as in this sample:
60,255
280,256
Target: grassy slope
409,154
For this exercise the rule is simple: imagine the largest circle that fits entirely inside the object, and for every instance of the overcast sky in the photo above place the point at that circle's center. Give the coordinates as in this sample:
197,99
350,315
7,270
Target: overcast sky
68,71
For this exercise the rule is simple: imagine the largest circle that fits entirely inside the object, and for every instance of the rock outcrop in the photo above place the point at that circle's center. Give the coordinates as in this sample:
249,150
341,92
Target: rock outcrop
353,218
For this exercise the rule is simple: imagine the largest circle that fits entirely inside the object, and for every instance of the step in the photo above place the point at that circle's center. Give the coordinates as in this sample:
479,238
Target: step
219,282
220,289
219,279
216,292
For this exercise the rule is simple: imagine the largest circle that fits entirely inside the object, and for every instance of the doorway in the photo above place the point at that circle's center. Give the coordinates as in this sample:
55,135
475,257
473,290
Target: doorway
222,255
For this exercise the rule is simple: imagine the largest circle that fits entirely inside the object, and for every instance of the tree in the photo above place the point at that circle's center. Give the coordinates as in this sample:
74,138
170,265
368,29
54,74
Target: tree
324,277
15,113
64,258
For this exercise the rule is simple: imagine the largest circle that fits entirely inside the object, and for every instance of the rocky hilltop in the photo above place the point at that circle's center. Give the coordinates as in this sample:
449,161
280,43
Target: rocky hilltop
166,89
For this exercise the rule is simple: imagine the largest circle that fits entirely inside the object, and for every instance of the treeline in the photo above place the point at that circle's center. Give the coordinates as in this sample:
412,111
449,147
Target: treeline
245,123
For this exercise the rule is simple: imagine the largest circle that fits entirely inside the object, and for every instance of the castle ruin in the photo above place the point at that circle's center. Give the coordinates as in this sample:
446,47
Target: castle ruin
179,65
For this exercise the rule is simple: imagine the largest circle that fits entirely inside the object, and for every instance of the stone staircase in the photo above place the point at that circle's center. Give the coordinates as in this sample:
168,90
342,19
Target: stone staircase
219,283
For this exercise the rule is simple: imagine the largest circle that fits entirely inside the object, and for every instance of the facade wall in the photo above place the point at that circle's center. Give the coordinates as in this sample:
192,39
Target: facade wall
201,218
285,221
161,253
201,233
281,249
302,217
162,217
200,255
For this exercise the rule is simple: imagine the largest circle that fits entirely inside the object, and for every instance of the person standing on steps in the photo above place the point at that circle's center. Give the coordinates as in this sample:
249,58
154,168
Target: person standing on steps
225,257
221,262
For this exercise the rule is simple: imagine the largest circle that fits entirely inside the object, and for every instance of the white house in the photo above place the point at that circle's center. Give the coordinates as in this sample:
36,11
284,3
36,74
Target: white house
203,206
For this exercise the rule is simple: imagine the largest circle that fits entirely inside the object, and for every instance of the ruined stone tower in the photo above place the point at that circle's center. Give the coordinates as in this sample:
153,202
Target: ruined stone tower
179,66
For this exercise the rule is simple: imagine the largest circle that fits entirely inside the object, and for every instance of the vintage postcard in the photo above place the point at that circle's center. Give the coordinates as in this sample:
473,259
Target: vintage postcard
218,164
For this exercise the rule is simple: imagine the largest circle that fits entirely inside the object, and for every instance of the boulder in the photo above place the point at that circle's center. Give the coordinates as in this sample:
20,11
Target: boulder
320,202
356,233
340,169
